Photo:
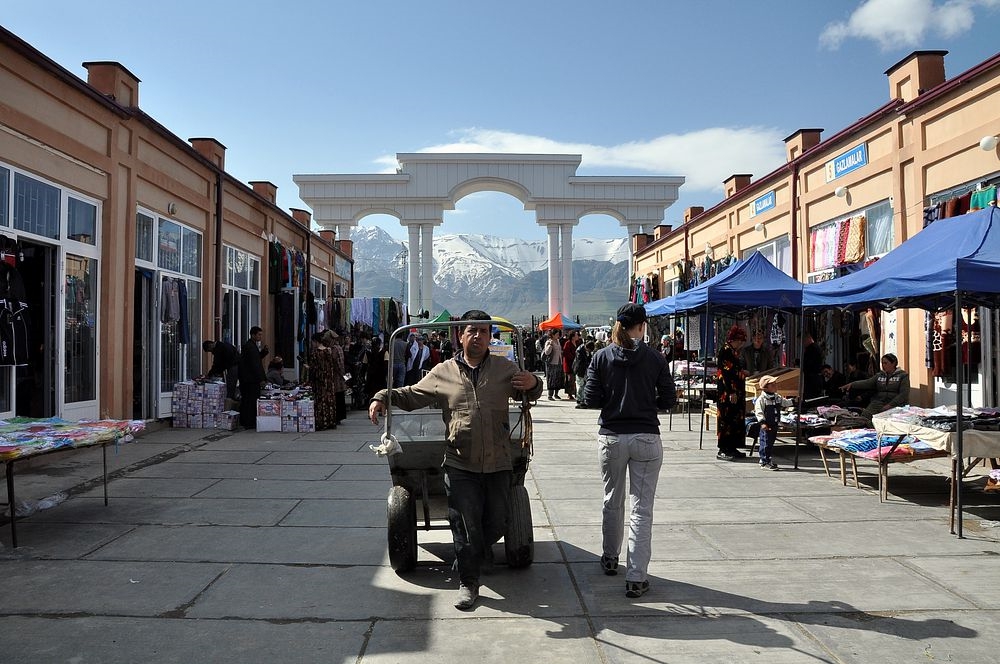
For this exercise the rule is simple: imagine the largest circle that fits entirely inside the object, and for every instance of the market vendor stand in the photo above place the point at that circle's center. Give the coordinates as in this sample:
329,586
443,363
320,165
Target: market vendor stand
23,438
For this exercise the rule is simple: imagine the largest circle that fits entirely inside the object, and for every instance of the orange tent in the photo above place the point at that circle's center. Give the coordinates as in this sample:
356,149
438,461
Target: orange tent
558,322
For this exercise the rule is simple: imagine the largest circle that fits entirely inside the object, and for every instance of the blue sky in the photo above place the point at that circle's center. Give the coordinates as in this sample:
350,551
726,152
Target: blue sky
701,89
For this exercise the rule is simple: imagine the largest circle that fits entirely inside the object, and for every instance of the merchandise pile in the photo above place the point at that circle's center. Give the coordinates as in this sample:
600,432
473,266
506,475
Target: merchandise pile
289,411
22,436
202,405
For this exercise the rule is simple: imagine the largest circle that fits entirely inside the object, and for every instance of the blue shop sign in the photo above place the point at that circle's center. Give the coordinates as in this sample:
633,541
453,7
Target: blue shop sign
762,204
851,160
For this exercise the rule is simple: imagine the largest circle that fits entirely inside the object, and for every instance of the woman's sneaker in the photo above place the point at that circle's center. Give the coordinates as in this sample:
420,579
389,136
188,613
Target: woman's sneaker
609,565
772,465
636,588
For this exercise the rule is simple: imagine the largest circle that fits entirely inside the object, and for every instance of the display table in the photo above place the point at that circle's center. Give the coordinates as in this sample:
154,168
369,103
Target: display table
24,438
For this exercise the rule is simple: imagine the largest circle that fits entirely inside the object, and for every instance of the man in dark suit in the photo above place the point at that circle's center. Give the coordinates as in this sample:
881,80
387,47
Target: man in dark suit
252,376
225,364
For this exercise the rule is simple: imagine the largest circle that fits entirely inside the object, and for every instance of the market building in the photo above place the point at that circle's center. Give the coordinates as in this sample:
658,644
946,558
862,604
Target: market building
840,202
111,221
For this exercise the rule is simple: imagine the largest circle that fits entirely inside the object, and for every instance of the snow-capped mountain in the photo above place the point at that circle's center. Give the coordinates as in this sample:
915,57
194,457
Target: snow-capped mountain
505,276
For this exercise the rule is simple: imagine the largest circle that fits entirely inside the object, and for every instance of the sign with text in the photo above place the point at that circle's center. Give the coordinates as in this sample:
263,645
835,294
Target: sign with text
762,204
849,161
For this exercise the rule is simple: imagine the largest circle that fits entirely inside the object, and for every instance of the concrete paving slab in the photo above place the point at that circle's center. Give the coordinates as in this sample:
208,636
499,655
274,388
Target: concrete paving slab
863,506
170,511
122,588
709,509
933,636
285,457
375,471
133,487
565,639
126,640
283,546
727,587
237,471
247,488
669,637
220,456
967,575
346,512
270,592
868,539
57,540
584,544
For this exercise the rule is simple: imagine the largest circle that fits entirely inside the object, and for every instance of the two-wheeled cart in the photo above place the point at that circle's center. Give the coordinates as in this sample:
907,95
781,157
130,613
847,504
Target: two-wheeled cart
417,500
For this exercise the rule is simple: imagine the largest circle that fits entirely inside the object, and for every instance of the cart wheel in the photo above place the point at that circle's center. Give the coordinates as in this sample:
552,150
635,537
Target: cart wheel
402,513
519,542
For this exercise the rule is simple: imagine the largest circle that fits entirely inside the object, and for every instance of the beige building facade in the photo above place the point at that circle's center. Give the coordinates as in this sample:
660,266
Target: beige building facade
110,221
932,144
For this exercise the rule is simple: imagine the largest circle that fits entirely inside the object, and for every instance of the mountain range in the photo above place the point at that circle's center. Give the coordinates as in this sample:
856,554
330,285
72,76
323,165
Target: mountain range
506,277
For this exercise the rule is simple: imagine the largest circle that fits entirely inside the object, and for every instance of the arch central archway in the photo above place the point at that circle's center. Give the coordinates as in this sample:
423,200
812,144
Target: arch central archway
427,184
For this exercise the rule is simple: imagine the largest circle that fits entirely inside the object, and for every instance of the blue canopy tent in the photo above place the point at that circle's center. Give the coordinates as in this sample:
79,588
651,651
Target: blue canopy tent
954,262
747,284
663,307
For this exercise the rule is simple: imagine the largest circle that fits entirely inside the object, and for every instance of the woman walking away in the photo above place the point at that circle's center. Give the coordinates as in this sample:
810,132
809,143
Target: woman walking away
629,382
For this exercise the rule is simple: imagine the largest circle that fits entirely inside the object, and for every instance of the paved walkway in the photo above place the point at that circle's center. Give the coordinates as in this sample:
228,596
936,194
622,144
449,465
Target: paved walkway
256,547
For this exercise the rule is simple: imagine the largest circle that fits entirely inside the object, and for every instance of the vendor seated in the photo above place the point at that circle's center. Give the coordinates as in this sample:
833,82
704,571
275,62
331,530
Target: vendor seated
275,371
891,385
832,382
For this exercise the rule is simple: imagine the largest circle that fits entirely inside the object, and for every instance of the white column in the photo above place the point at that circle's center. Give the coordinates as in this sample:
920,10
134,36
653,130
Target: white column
413,269
426,266
566,258
555,293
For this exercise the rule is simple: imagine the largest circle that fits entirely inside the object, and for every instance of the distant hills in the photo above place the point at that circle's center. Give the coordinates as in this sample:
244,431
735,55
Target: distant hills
506,277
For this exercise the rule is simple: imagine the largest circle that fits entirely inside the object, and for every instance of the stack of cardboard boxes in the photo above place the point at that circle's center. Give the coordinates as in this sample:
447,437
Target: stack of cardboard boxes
201,405
287,412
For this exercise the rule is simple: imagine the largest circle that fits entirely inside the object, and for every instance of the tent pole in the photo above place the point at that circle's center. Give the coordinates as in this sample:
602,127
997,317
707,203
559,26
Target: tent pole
687,364
959,378
802,377
704,379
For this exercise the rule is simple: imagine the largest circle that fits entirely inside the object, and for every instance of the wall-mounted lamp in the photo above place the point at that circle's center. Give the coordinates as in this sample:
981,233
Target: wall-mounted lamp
171,208
989,143
840,192
758,227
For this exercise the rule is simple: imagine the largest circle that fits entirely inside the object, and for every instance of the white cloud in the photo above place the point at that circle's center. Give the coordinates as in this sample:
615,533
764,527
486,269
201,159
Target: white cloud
705,157
904,23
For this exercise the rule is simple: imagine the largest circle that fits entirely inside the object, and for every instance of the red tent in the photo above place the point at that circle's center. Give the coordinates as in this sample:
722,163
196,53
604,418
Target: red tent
558,322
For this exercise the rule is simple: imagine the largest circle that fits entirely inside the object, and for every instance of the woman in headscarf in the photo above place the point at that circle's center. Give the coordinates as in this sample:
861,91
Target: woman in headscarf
731,382
321,373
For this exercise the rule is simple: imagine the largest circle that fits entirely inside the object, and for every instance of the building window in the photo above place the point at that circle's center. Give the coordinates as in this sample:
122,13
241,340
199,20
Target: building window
318,288
143,237
4,196
832,243
178,255
36,207
81,329
240,295
778,252
82,221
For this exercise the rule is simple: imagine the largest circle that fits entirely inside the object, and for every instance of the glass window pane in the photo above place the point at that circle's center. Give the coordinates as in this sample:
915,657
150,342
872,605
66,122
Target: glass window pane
4,196
230,266
240,270
254,310
192,253
879,236
254,274
36,207
170,347
82,221
193,350
143,237
244,331
81,329
169,248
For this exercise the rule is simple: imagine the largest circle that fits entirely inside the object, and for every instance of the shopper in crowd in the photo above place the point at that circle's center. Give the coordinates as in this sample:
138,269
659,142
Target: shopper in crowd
477,463
225,364
666,347
581,362
731,384
378,372
891,385
334,343
417,360
276,371
812,365
757,355
630,382
569,353
552,355
321,372
252,376
399,353
767,409
833,380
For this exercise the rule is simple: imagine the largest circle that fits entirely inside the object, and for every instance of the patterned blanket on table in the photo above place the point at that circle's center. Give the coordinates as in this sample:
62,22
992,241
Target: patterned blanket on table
23,437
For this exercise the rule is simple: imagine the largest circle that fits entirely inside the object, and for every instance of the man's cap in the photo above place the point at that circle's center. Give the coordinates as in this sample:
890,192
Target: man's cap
631,314
766,380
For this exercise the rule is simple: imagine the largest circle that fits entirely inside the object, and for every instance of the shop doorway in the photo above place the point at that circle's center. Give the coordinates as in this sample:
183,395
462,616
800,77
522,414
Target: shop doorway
144,393
35,386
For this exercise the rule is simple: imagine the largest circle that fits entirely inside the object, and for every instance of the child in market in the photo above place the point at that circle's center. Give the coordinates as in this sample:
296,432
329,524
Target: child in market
767,408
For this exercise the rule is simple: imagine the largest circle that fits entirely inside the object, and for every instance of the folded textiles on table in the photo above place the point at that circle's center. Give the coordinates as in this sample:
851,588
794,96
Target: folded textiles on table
22,437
